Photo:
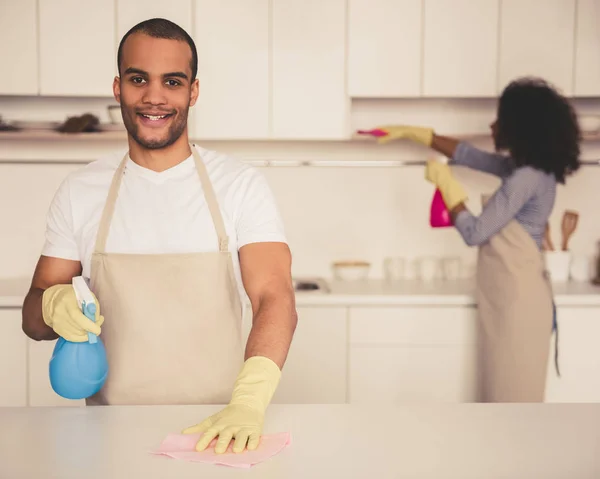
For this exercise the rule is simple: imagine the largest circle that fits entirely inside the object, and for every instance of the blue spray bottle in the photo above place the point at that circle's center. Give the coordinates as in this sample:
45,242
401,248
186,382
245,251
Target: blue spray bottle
79,370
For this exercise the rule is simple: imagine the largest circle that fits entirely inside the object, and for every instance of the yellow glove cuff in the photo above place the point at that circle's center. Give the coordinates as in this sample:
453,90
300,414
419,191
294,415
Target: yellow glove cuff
452,191
256,383
453,194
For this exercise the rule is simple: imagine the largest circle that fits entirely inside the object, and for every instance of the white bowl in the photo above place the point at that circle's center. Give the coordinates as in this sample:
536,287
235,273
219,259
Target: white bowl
351,270
114,113
589,124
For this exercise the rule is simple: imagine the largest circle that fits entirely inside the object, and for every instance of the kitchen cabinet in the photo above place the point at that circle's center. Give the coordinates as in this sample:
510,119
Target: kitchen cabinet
587,49
537,38
315,370
460,50
309,99
406,354
18,48
579,356
40,390
77,47
384,48
232,39
13,359
131,12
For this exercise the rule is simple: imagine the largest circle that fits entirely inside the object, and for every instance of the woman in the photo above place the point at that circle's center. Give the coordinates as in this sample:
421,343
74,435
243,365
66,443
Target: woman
539,129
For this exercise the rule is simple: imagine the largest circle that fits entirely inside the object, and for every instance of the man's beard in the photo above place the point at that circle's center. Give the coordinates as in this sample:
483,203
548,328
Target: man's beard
175,131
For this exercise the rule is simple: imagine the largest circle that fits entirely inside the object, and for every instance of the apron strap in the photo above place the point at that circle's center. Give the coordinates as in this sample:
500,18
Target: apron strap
211,201
109,208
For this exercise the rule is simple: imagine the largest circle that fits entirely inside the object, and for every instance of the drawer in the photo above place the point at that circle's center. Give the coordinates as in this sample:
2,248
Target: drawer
425,326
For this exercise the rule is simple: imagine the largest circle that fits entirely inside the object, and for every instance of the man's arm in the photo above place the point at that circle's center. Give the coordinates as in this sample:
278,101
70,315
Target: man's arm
266,274
48,272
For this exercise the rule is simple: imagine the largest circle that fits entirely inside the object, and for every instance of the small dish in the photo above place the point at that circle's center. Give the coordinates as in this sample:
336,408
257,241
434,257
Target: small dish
351,270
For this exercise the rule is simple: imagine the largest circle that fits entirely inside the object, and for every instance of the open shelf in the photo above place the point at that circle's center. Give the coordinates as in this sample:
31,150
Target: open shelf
121,136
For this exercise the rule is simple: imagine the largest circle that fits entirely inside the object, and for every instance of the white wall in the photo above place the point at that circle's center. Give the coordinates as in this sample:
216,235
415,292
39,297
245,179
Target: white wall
330,212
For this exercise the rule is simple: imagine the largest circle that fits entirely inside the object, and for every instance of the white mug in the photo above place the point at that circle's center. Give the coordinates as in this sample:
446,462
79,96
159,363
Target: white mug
558,264
394,268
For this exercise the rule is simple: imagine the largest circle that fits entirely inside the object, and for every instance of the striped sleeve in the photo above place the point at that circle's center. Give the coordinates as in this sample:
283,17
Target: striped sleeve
476,159
501,208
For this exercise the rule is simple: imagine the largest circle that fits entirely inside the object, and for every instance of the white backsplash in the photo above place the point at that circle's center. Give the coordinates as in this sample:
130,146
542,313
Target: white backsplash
331,213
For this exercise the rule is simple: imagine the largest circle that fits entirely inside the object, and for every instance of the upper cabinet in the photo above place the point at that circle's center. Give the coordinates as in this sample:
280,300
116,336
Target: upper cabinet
77,47
384,48
460,51
537,38
287,69
131,12
232,39
309,99
587,51
18,47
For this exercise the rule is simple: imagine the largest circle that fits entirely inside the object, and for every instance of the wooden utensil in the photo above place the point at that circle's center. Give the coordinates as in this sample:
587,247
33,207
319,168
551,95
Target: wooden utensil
569,223
547,241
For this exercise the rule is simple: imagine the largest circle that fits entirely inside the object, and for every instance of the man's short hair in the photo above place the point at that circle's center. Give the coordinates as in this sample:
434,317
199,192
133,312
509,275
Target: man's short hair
161,28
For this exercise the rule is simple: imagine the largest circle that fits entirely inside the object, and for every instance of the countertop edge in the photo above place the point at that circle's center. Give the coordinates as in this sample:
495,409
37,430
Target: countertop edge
355,300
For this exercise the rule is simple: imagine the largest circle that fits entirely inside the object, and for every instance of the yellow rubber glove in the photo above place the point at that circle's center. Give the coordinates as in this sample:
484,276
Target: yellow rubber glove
414,133
440,175
61,312
242,419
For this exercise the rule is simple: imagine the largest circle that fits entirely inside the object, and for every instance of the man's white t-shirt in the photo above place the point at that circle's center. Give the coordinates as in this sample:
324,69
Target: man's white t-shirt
162,212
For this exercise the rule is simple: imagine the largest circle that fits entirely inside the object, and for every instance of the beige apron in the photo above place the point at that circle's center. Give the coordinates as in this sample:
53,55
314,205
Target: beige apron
515,309
172,326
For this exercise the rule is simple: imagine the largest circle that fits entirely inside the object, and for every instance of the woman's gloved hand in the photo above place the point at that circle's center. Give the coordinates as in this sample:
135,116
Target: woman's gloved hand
61,312
440,175
414,133
242,419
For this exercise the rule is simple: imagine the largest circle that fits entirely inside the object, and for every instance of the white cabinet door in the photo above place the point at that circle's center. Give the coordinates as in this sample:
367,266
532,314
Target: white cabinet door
131,12
77,47
396,374
40,390
309,70
232,39
537,38
384,48
460,48
406,354
13,359
315,370
579,357
587,49
18,47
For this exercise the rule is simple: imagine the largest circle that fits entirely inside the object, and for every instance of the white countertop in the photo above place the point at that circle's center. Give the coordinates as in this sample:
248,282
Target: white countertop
372,292
440,293
328,441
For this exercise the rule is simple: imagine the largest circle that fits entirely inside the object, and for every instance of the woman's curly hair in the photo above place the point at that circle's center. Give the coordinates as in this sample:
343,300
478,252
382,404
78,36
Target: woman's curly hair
539,127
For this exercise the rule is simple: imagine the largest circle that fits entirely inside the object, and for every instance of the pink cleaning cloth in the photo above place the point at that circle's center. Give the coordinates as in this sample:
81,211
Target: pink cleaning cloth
182,446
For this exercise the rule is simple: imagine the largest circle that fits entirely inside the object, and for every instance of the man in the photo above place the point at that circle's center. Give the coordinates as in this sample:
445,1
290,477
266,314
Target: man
167,232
